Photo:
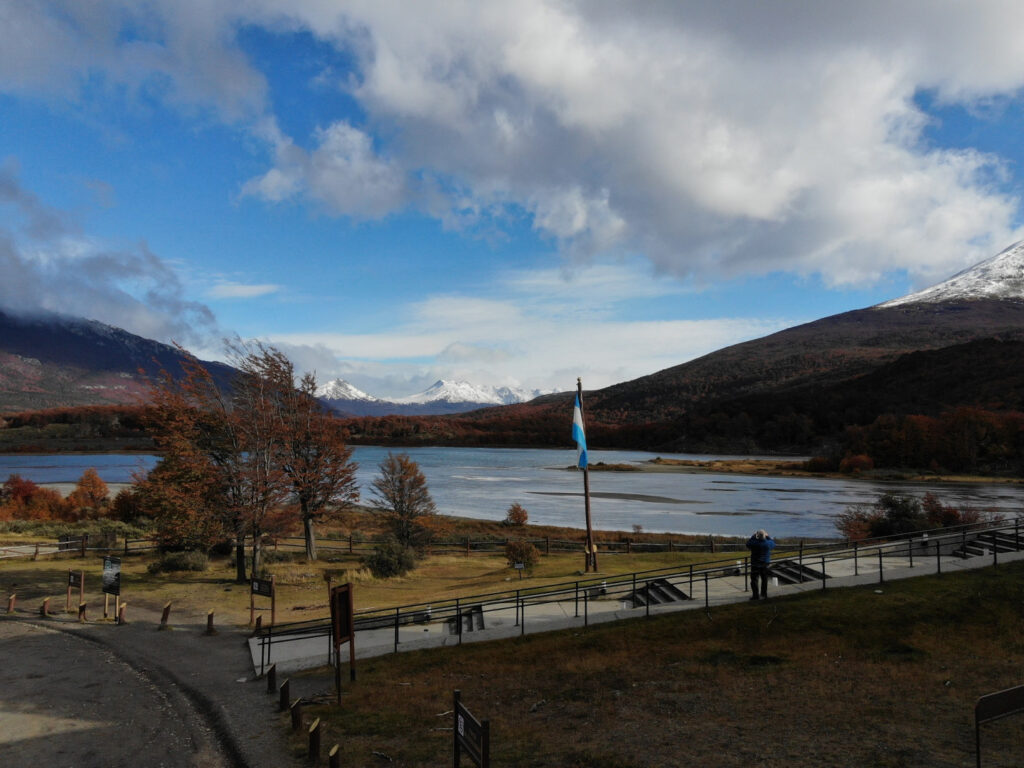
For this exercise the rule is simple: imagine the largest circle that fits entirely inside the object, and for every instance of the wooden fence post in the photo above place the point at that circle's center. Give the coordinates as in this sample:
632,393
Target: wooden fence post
334,757
209,624
295,710
165,616
272,678
44,609
283,696
11,601
314,742
81,613
120,614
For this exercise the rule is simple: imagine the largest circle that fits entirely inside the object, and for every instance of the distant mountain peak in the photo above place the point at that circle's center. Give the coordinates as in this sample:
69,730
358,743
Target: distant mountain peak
999,277
339,389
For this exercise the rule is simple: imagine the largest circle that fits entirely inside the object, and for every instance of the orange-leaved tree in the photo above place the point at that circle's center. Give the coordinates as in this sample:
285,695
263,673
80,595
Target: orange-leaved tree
314,455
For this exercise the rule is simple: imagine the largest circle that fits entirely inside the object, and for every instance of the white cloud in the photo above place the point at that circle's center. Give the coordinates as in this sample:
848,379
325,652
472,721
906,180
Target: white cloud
715,139
542,329
48,266
241,291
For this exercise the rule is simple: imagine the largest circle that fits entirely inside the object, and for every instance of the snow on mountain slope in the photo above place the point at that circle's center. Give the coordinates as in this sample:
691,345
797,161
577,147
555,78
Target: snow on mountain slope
339,389
465,392
1000,277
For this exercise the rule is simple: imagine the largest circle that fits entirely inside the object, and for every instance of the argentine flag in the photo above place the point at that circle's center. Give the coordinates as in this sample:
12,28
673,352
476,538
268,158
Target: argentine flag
578,436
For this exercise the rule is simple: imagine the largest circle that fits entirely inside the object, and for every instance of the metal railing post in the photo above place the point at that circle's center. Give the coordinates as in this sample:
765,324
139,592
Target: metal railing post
707,597
823,573
397,612
881,577
517,608
938,558
856,564
458,616
910,550
647,598
586,609
577,600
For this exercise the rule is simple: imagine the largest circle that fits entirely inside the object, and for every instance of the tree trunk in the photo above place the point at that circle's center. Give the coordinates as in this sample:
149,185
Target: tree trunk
256,549
240,576
307,525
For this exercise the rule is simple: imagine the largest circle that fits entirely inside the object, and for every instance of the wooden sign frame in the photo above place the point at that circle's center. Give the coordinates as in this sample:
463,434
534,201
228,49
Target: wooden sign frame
471,736
342,631
264,588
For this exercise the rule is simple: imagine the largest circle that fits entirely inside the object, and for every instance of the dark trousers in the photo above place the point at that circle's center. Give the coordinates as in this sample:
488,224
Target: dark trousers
759,572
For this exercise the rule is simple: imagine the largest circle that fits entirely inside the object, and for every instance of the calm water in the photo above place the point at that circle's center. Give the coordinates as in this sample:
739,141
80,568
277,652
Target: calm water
483,482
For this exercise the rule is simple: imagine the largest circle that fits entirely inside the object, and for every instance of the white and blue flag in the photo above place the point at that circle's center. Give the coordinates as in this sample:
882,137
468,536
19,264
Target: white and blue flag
578,436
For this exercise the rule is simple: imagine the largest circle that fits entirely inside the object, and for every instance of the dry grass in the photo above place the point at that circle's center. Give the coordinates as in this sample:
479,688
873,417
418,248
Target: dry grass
301,586
846,678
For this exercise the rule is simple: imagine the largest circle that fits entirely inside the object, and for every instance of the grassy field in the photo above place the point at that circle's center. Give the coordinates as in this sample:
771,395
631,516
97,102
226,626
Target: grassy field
854,677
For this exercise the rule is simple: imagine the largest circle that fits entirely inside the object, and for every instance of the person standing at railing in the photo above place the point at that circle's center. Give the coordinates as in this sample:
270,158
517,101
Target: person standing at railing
760,546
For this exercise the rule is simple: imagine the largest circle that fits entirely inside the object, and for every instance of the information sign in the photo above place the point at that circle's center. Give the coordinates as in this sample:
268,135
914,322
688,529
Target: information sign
343,630
111,575
472,736
264,587
75,578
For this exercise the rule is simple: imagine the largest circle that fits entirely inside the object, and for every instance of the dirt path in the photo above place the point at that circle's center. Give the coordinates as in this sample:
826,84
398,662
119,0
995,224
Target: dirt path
103,696
66,701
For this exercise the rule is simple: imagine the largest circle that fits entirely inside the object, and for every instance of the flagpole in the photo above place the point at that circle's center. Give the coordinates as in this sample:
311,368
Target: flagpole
591,553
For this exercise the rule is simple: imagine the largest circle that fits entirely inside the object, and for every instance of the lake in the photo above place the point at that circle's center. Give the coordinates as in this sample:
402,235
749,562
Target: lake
483,482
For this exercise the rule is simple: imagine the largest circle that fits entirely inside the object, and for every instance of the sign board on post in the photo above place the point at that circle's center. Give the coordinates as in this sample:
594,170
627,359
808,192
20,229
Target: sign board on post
264,588
111,575
472,736
996,706
343,630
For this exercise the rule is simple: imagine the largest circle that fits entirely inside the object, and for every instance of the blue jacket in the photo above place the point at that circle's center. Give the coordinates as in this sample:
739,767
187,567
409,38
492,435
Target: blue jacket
760,550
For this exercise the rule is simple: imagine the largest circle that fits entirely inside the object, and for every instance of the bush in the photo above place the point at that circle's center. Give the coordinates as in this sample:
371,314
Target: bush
516,515
180,561
390,558
521,552
856,463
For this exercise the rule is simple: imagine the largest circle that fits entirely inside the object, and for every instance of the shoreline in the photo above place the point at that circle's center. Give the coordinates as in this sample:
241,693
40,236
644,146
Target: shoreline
790,468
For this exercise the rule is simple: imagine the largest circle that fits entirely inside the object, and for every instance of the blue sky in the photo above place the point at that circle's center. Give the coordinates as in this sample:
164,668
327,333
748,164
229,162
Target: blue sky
506,192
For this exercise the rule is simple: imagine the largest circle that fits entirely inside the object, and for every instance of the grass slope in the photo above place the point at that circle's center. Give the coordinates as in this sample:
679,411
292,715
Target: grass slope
853,677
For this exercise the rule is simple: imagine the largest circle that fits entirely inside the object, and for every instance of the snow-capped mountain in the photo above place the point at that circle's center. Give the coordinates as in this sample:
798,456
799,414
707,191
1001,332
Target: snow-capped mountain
441,397
339,389
464,392
1000,277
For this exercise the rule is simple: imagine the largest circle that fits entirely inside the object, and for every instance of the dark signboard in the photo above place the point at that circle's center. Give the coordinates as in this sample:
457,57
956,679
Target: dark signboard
75,578
341,613
263,587
111,575
996,706
472,736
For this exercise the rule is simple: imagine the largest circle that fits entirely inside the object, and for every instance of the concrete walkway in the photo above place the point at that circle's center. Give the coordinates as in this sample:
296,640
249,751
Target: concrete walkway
565,611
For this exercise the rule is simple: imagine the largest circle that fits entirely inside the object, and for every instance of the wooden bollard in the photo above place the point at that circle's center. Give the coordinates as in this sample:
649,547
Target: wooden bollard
11,601
209,624
283,695
44,609
258,625
314,742
81,613
272,678
120,614
165,616
35,555
295,710
334,757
